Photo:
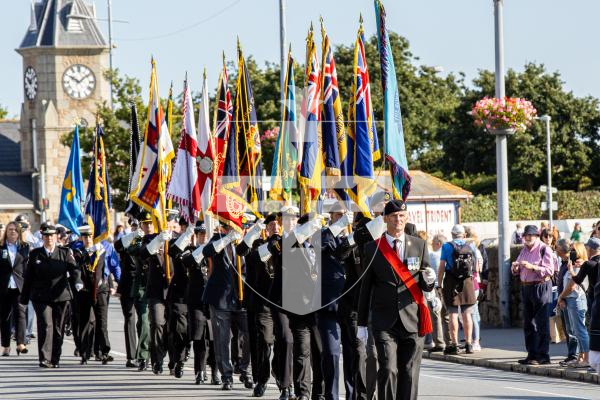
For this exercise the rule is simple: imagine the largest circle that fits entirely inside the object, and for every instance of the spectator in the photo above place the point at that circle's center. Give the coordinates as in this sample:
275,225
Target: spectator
544,225
596,230
517,236
471,235
436,338
588,269
576,234
534,266
563,247
458,293
574,301
119,232
593,251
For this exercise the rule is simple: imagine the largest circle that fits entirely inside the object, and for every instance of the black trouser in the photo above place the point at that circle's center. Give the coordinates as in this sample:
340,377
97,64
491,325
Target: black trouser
307,354
127,307
11,308
102,343
50,327
158,325
178,331
283,349
252,341
330,332
86,323
354,355
399,355
222,321
198,334
537,300
72,320
264,343
371,373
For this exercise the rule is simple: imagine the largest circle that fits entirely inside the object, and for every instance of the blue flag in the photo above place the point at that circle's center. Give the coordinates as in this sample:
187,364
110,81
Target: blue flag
71,197
394,132
98,200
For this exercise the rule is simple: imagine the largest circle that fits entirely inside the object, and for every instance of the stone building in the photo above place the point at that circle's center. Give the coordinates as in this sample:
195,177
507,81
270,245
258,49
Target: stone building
64,56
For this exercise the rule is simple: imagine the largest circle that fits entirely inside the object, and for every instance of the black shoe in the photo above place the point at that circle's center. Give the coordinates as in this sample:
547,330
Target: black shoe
83,361
436,349
259,390
469,348
32,336
227,386
157,368
285,394
178,370
142,365
567,360
46,364
106,359
199,378
451,350
97,358
76,353
187,355
545,361
131,364
246,380
204,376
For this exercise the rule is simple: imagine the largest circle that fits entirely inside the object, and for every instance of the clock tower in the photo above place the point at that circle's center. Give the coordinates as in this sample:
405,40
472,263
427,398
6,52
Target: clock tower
64,58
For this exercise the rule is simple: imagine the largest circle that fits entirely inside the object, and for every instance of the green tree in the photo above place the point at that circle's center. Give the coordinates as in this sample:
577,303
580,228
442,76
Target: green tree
574,133
3,112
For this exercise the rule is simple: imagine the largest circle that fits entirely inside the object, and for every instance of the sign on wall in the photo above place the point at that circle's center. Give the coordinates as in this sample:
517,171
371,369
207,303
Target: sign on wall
433,218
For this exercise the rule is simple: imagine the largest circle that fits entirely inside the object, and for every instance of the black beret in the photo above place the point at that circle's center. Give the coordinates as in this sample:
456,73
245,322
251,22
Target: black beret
393,206
270,218
183,221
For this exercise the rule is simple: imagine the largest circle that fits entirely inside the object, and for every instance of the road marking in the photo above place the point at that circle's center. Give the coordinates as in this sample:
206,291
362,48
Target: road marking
546,393
116,353
438,377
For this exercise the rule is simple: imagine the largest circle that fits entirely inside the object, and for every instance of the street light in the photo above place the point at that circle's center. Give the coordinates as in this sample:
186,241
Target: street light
546,119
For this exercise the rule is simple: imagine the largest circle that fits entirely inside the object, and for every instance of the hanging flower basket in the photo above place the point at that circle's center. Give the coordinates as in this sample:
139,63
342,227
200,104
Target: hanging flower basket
503,116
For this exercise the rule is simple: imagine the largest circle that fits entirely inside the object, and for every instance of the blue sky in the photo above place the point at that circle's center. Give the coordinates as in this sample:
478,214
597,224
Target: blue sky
456,35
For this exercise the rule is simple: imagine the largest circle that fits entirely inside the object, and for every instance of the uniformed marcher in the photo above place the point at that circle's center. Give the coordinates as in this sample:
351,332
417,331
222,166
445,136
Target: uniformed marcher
90,259
126,292
46,284
392,296
177,329
224,295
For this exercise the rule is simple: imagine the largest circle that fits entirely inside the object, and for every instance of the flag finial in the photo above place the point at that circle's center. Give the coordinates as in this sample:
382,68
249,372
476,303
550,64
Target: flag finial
322,26
204,74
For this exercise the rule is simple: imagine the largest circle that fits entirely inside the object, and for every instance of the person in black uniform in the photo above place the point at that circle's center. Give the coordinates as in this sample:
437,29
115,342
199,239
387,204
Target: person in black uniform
153,255
177,329
197,268
90,259
397,273
125,290
46,283
14,253
224,295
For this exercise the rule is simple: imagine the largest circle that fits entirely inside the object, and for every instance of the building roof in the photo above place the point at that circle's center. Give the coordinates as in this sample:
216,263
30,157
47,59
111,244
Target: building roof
426,187
10,146
63,23
16,191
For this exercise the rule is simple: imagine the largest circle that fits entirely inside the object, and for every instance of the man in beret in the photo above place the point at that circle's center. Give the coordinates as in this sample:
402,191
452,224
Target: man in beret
535,267
396,274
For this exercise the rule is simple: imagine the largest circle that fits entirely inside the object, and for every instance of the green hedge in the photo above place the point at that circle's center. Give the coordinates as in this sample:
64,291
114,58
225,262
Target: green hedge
526,206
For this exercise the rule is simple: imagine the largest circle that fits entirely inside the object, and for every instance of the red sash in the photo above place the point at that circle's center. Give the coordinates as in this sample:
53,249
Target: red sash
406,277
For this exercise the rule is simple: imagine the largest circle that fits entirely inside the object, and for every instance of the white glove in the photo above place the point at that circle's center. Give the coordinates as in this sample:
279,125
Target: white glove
185,238
264,253
428,275
130,237
157,242
362,334
78,286
337,227
254,232
220,244
350,238
306,230
197,254
376,227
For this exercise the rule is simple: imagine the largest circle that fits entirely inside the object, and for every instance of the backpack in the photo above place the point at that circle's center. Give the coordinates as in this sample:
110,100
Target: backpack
463,257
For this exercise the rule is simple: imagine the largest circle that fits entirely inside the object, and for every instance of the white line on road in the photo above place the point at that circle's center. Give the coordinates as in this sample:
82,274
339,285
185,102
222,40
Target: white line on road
438,377
546,393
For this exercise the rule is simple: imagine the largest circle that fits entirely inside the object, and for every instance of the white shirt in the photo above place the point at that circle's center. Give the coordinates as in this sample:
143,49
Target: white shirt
402,238
12,252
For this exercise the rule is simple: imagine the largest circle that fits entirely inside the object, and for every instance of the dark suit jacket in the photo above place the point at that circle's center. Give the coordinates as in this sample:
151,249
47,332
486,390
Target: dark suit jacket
258,276
16,269
157,284
196,277
46,278
128,270
334,251
179,282
90,278
221,291
383,295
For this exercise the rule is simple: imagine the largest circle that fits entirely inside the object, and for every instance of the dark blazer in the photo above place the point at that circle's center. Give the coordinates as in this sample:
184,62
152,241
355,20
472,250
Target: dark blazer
259,276
157,284
128,270
196,277
16,269
383,295
334,251
179,282
90,278
221,291
46,279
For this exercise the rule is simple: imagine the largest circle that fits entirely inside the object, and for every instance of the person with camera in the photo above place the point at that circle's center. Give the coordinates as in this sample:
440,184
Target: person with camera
573,301
563,250
458,263
535,267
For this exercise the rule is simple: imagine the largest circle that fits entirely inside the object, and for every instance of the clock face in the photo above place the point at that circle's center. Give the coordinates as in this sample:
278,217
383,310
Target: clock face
79,81
30,82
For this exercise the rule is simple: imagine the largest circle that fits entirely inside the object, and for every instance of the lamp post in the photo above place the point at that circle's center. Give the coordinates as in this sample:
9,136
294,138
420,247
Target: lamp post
546,119
502,176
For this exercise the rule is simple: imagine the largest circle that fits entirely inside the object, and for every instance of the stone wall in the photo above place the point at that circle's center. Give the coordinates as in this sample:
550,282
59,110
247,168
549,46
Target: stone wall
490,309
